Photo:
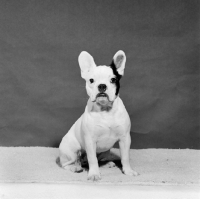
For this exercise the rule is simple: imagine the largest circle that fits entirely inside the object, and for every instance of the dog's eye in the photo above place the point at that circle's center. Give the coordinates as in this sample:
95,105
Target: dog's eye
91,81
113,80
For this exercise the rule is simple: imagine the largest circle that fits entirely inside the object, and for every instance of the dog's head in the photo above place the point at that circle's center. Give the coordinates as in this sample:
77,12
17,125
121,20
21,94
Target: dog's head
102,82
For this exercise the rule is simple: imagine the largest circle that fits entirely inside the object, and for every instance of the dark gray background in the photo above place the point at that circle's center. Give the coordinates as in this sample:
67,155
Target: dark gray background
41,90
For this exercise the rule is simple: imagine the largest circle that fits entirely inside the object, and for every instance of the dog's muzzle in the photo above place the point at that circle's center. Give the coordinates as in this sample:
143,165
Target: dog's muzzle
102,95
102,88
103,99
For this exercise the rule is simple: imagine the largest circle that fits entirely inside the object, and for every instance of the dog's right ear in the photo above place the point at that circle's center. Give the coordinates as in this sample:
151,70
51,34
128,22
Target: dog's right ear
86,63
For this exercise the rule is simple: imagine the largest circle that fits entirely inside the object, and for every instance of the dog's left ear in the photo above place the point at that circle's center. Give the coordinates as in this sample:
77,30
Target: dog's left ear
119,60
86,63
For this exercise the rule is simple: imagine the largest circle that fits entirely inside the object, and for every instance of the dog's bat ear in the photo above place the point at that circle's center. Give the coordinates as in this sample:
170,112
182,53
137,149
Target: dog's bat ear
86,63
119,61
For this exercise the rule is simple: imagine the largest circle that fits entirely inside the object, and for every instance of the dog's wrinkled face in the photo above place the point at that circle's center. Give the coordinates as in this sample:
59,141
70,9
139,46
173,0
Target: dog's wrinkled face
102,82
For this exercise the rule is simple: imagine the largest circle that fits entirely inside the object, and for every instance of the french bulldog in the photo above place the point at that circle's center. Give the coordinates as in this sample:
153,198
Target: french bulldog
104,122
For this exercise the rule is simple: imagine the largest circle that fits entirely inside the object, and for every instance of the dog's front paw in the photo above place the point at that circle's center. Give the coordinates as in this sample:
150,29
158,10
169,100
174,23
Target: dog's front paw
130,172
94,176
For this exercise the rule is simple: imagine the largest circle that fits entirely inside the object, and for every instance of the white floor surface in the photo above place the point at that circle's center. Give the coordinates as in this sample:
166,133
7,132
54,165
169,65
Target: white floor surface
81,191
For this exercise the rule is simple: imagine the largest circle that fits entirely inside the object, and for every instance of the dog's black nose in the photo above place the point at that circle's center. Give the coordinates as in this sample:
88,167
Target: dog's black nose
102,88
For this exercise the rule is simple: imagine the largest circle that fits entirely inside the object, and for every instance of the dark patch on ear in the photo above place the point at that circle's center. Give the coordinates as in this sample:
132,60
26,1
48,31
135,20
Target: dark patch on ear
117,76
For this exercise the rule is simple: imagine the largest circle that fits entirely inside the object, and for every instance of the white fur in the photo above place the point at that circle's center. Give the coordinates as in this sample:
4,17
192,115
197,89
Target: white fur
120,61
96,131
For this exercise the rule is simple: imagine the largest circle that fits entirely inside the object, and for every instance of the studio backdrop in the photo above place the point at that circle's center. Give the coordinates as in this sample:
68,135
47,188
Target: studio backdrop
41,90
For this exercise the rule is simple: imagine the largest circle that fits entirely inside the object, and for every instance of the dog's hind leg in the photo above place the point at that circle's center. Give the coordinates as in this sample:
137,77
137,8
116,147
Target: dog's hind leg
73,163
76,167
105,160
65,160
70,153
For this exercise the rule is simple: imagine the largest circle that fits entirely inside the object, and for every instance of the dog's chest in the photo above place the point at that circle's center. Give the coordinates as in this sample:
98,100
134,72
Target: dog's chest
107,130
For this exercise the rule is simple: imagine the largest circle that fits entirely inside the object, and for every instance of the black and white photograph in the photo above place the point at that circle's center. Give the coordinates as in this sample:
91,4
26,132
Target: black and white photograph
100,99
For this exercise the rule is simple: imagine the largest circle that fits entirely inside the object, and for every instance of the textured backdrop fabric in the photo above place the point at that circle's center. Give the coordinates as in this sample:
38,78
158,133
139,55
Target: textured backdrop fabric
41,90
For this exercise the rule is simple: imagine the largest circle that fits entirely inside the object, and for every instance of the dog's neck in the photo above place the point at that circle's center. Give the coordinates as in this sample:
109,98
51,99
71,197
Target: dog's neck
96,107
99,108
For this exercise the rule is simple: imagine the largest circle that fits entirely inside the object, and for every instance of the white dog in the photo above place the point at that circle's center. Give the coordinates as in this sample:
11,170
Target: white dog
105,120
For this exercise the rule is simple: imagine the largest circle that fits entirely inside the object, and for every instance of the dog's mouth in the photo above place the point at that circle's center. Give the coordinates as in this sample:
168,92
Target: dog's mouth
102,99
103,95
